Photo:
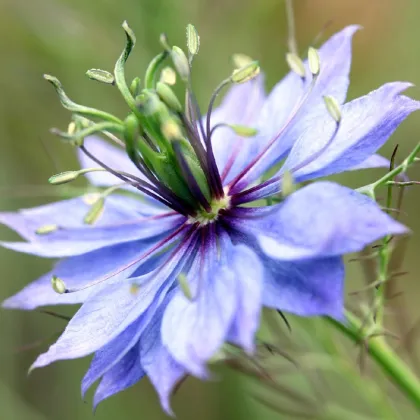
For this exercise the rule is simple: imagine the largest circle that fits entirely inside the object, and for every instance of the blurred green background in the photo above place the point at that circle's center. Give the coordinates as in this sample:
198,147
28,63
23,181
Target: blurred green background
67,37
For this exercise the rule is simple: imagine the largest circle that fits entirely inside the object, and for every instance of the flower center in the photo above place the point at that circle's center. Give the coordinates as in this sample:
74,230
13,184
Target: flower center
205,217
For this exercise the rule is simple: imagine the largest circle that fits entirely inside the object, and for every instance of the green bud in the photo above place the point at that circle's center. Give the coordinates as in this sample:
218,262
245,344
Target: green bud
102,76
46,229
185,287
193,40
58,285
95,211
246,73
168,76
168,97
287,184
135,86
333,108
63,177
181,63
241,60
314,61
296,64
243,131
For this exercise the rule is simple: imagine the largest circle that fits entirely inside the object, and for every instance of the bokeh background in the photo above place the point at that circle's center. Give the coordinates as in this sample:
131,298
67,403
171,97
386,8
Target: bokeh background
67,37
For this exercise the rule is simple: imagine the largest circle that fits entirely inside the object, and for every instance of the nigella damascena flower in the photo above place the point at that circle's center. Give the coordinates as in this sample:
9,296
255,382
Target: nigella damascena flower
183,260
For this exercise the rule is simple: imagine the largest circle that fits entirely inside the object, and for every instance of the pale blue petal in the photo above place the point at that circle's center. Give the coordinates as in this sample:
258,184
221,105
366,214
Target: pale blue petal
111,354
123,375
193,330
113,156
109,312
367,123
113,264
280,123
249,279
241,106
161,368
320,220
306,288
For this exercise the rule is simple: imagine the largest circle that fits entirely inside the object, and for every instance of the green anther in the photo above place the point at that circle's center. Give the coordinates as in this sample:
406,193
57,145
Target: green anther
167,95
135,86
296,64
333,108
242,130
287,184
46,229
314,61
58,285
79,109
193,41
63,177
95,211
244,74
181,63
185,287
241,60
168,76
102,76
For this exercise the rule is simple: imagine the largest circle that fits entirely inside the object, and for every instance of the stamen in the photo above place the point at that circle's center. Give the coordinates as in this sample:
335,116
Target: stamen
95,211
102,76
292,43
185,287
291,118
47,229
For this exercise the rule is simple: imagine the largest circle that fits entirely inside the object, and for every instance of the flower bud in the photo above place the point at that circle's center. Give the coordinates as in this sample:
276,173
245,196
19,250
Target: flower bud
246,73
63,177
181,63
46,229
167,95
193,40
333,108
102,76
295,64
58,285
314,61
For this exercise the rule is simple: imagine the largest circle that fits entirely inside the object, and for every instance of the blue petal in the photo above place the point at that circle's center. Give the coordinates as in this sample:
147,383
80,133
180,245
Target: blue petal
367,123
305,288
161,368
120,377
193,330
107,313
113,264
320,220
278,125
249,276
225,304
113,156
123,220
241,106
111,354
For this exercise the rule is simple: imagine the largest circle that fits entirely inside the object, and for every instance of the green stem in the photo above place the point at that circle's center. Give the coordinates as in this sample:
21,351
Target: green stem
385,357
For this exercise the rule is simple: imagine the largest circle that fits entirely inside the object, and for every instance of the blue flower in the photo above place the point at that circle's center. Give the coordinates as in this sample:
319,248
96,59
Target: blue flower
166,278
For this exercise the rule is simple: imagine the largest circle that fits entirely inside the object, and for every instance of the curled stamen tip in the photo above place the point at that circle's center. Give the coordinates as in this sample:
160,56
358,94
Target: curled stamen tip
58,285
